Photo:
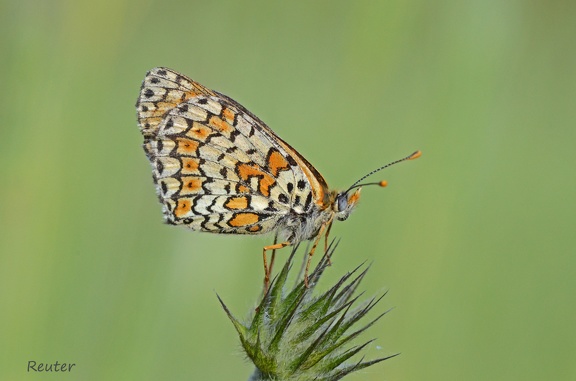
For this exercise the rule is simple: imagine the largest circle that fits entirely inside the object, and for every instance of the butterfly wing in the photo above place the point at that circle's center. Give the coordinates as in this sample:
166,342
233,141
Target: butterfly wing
216,166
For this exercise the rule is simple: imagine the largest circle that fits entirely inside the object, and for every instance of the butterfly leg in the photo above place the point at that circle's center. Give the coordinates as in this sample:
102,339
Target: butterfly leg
326,241
273,256
311,253
267,270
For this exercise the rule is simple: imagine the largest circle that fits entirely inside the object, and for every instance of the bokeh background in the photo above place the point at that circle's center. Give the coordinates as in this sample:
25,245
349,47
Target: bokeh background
475,241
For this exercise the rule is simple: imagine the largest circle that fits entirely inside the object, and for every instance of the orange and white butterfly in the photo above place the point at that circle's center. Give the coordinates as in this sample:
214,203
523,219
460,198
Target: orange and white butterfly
219,169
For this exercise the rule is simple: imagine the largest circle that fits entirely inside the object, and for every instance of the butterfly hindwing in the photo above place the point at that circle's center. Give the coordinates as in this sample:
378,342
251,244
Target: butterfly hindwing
217,167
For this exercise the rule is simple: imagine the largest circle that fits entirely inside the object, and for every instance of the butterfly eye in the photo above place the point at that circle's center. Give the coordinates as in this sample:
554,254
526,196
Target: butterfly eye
342,202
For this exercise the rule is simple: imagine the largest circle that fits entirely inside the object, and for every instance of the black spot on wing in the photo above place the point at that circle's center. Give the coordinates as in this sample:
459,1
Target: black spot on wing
160,168
308,201
233,136
270,207
291,161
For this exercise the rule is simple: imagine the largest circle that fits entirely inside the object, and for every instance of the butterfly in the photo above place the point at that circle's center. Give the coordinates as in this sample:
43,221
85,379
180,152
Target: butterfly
219,169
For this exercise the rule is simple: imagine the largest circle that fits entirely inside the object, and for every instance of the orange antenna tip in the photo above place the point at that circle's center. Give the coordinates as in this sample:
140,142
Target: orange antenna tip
382,183
415,155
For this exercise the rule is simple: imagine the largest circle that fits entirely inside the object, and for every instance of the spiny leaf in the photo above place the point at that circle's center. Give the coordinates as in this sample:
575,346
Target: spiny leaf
310,330
357,315
300,360
286,319
323,303
275,293
240,328
336,361
349,290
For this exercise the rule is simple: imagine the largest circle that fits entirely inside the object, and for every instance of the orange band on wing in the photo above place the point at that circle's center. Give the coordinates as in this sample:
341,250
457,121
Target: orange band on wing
190,165
191,185
255,228
237,203
242,189
228,115
277,163
187,146
199,131
243,219
265,181
183,207
220,125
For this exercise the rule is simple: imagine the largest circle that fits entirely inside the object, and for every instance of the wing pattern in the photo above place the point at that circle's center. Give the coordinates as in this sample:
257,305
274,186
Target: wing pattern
216,166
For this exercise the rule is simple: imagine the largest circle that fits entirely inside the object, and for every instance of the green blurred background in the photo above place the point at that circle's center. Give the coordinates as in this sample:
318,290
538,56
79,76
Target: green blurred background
475,240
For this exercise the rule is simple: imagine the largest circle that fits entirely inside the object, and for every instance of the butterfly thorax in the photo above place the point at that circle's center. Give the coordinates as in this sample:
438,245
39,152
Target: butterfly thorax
298,227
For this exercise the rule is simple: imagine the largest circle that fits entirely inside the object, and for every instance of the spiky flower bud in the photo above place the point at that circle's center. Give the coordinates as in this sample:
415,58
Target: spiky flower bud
294,335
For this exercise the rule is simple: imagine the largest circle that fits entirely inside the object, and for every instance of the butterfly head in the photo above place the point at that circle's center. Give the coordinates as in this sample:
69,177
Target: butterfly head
344,203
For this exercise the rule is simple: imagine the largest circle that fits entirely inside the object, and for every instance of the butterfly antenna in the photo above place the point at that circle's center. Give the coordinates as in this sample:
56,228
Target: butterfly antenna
383,183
